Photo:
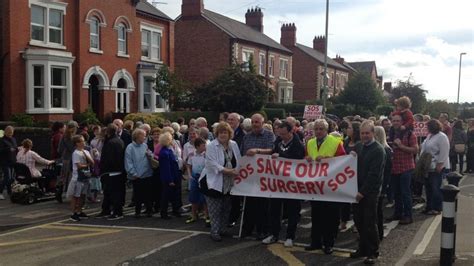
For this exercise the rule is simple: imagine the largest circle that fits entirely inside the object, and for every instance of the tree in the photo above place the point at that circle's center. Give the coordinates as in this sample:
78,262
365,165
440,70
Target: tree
413,91
362,93
170,87
233,90
434,108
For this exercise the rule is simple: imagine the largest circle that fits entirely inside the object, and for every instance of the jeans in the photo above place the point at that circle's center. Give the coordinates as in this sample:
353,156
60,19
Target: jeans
434,197
7,179
402,192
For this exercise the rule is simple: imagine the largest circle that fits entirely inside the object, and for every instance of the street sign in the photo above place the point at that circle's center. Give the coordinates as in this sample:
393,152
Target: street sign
420,129
313,111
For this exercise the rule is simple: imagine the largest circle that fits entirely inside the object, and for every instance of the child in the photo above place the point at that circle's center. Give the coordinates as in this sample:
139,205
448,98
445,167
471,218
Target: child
402,106
77,190
196,164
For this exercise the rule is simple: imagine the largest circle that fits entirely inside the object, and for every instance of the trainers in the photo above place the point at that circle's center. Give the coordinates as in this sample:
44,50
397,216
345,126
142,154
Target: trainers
190,220
114,217
2,197
75,218
288,243
269,240
82,215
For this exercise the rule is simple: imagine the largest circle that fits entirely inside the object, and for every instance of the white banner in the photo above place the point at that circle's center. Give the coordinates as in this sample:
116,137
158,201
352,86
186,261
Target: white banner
313,112
333,179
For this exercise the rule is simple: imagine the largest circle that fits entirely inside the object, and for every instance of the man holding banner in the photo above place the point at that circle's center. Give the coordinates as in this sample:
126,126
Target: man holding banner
287,145
324,215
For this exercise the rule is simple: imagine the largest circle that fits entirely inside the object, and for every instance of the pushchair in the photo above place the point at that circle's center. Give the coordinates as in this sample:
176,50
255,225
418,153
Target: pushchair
28,190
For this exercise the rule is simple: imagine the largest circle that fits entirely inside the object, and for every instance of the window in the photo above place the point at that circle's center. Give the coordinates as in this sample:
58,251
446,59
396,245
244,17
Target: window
283,68
58,87
147,93
149,99
122,97
38,86
262,64
271,68
151,44
247,55
47,23
122,39
95,33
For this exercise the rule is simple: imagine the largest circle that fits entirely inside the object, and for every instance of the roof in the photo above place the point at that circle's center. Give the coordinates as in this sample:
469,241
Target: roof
145,7
319,56
241,31
366,66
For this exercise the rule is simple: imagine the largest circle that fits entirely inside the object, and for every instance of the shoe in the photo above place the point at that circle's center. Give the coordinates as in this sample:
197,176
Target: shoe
83,215
288,243
312,247
370,260
102,215
216,238
433,212
406,220
2,197
114,217
191,220
328,250
230,225
261,236
390,205
75,218
357,254
208,222
343,226
269,240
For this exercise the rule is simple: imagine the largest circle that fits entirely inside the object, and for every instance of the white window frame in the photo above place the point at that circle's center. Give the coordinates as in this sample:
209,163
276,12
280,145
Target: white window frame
262,64
122,28
151,45
93,20
282,63
271,68
247,51
142,77
58,87
48,59
60,6
127,100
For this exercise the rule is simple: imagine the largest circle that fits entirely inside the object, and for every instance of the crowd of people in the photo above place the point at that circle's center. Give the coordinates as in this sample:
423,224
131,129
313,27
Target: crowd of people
394,166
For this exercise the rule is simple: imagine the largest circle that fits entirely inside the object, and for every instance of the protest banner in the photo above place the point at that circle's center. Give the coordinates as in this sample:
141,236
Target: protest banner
420,129
313,112
333,179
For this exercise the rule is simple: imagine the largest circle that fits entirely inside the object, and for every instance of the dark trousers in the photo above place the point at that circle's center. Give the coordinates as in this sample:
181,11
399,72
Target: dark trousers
434,196
455,159
325,218
401,185
156,193
365,218
345,210
235,209
380,216
256,215
292,209
169,195
470,159
7,179
143,191
114,191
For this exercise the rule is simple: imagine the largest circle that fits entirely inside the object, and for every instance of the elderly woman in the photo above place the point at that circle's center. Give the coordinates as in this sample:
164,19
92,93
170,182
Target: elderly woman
436,144
139,171
221,165
170,177
29,158
8,150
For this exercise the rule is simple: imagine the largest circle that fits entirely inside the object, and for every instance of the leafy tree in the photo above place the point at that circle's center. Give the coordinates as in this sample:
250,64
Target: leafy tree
170,87
414,91
233,90
384,109
434,108
361,93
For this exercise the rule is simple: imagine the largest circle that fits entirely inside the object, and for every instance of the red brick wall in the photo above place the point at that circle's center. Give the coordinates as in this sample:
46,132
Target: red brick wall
305,73
202,50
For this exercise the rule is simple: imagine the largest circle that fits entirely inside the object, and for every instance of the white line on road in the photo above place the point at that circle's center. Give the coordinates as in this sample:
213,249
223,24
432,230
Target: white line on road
167,245
420,249
138,228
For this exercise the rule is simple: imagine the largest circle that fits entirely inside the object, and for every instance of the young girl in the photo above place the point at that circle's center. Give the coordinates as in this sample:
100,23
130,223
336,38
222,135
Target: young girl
196,164
402,106
77,190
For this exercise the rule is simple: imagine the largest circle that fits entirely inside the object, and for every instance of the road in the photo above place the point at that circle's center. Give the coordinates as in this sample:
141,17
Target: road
41,234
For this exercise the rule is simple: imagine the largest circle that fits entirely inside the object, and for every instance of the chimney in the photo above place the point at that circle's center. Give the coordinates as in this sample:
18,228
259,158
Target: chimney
387,86
319,44
339,59
192,8
288,35
254,19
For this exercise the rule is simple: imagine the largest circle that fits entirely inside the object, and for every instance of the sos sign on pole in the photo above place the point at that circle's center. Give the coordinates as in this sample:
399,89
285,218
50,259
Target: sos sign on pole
313,112
420,129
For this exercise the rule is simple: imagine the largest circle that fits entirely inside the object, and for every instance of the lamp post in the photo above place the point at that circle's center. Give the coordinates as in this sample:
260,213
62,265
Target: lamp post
459,80
325,73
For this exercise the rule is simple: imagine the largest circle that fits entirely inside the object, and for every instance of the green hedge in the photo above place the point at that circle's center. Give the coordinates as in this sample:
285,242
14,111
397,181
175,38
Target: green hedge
153,120
273,113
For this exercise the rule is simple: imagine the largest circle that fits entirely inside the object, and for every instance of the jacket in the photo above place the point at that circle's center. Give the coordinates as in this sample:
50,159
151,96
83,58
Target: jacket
169,170
8,151
136,161
370,168
112,156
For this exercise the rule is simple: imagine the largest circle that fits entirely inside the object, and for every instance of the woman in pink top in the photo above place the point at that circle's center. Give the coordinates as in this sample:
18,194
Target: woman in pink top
30,158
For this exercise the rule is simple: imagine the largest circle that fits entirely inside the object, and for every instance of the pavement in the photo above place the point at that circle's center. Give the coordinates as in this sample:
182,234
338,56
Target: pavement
41,234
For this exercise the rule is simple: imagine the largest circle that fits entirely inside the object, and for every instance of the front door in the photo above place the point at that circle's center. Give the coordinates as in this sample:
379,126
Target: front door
94,93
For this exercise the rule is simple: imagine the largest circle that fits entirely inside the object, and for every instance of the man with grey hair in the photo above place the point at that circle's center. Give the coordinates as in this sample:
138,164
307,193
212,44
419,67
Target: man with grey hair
123,134
201,122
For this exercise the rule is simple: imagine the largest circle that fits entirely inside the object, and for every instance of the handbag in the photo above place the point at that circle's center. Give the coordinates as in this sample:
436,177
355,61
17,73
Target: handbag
459,148
153,162
83,174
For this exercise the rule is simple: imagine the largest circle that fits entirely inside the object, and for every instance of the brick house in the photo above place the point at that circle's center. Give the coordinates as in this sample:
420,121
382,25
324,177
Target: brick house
61,56
308,67
207,42
371,68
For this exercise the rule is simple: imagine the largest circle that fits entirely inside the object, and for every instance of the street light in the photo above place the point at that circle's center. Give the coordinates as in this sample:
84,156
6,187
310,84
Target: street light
325,73
459,80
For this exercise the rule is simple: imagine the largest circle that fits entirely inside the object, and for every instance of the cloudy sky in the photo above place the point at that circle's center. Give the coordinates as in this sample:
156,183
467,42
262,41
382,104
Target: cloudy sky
416,39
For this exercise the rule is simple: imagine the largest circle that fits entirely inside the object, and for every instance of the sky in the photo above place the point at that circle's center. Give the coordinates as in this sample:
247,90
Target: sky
419,40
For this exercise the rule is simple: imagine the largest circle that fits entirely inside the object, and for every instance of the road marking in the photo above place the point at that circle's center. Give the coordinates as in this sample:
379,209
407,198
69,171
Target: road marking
284,254
389,227
142,228
167,245
35,214
420,249
94,232
465,186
